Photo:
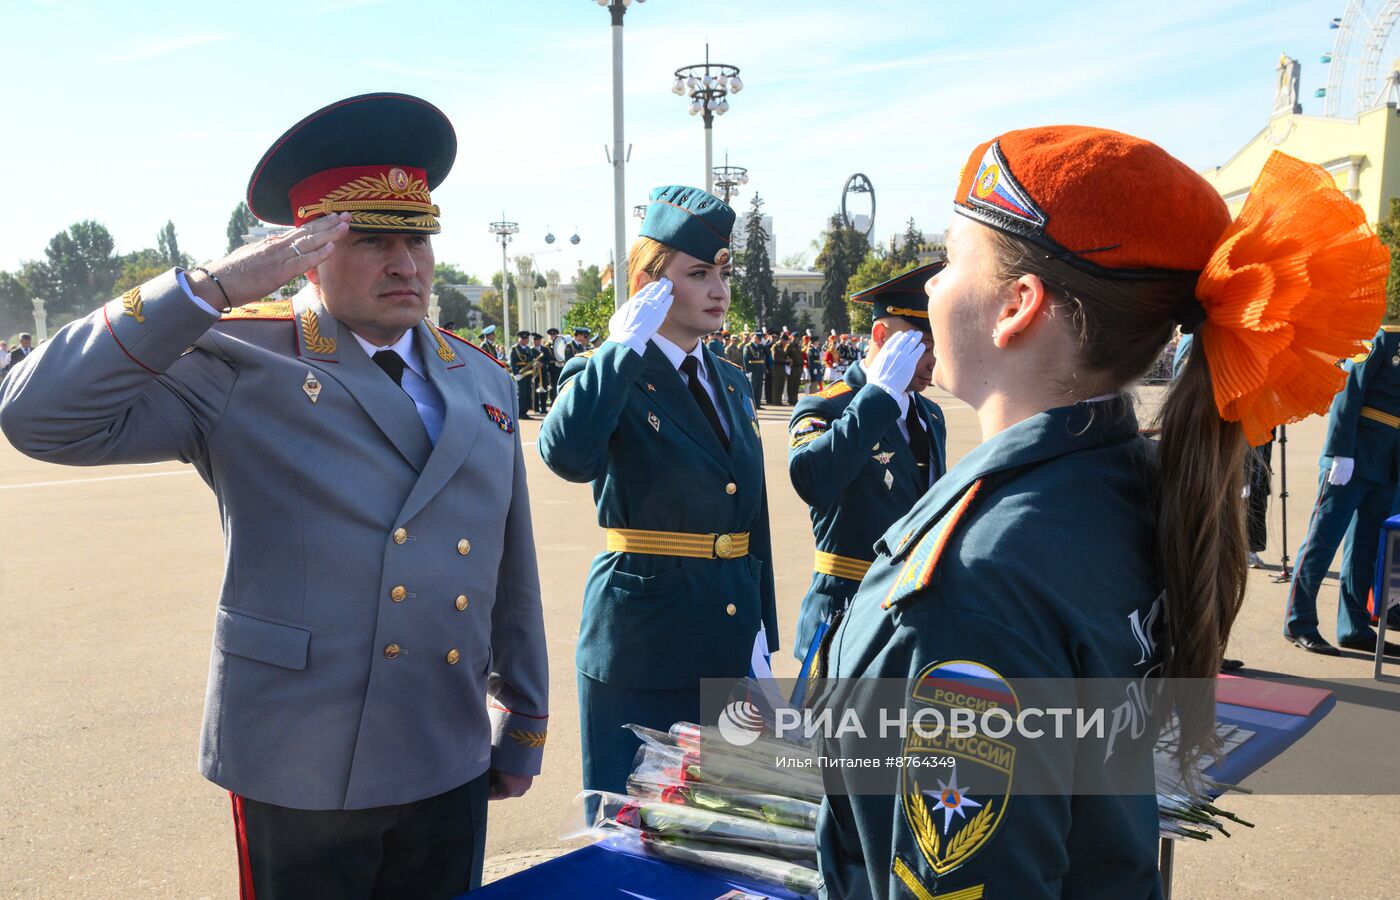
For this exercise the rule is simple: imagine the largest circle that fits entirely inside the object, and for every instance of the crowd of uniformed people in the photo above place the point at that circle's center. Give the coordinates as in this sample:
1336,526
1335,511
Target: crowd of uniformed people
325,722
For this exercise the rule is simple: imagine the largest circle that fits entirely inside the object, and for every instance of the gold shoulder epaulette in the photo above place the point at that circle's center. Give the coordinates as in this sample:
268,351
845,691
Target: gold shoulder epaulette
1392,329
834,390
725,359
263,309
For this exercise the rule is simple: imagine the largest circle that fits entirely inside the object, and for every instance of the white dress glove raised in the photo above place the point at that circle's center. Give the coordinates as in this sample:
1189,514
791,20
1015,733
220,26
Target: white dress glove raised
1340,473
893,367
641,316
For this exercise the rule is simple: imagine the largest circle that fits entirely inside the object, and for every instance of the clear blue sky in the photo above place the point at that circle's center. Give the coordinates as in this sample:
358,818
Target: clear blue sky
135,113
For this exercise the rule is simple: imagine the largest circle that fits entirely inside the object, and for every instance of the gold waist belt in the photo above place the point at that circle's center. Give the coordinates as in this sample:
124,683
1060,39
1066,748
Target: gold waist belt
841,566
676,543
1376,415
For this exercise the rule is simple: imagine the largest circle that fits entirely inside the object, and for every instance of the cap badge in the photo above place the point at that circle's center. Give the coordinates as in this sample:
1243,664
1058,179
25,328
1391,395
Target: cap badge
722,256
398,180
995,188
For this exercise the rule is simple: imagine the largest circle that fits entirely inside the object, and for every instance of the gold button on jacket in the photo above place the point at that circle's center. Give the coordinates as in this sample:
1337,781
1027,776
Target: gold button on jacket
453,656
400,535
392,651
464,546
398,593
731,609
461,601
730,488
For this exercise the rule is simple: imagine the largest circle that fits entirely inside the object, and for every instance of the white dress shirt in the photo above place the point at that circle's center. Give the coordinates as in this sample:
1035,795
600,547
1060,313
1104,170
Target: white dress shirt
676,356
415,383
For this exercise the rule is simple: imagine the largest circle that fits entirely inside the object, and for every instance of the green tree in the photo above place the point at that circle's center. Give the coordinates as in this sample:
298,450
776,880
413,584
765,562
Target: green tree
757,269
587,283
16,310
592,313
239,224
79,270
491,312
741,316
138,268
784,311
446,273
1388,230
907,256
168,246
845,249
804,323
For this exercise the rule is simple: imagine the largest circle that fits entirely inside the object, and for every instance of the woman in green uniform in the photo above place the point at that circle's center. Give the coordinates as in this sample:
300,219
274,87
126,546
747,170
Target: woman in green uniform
666,432
1064,546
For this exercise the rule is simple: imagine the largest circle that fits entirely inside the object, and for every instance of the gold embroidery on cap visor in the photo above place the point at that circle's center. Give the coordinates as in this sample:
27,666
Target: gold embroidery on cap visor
382,203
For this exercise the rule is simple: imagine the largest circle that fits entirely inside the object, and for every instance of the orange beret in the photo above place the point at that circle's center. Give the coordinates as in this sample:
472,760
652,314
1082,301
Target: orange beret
1111,203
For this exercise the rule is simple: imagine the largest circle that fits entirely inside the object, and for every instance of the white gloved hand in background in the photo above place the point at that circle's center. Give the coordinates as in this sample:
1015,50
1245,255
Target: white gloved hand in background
639,318
893,367
1342,467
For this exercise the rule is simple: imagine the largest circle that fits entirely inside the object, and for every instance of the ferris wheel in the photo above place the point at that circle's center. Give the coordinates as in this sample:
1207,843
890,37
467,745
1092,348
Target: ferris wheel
1362,59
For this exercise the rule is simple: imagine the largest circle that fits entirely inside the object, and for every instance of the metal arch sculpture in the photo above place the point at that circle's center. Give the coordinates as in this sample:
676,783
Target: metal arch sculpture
860,184
1368,23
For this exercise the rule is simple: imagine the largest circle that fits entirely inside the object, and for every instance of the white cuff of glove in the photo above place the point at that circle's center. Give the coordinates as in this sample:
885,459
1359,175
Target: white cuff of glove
900,397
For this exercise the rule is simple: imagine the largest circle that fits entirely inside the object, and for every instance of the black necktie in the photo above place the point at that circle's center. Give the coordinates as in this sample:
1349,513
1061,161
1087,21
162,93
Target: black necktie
392,364
691,368
918,440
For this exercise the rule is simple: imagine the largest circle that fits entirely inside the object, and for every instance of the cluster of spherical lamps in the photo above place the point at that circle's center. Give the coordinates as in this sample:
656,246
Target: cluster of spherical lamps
708,85
728,179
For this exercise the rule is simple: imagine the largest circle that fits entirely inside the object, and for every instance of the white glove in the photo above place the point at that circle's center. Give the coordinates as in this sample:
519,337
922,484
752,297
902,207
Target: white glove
639,318
1341,470
893,367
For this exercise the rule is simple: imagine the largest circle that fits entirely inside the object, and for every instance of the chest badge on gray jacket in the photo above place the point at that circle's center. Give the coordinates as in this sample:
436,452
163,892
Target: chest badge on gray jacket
312,387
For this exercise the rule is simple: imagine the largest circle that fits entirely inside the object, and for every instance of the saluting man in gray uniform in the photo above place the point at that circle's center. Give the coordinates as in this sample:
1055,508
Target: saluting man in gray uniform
379,665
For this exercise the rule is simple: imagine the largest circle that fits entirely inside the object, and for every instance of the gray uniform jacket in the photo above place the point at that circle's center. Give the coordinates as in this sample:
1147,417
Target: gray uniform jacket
379,637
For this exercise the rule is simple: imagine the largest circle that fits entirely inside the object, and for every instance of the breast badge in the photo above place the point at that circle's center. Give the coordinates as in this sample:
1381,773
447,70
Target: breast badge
312,387
654,422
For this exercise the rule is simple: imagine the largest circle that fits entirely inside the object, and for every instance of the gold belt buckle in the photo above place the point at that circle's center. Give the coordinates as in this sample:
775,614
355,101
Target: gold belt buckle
724,546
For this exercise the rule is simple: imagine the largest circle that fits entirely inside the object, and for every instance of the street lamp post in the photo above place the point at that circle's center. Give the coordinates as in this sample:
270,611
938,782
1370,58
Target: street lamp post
503,230
618,8
708,85
729,178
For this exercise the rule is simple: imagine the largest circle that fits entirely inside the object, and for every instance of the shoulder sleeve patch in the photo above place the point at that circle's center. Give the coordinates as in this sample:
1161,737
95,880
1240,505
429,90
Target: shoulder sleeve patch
806,430
918,569
834,390
264,309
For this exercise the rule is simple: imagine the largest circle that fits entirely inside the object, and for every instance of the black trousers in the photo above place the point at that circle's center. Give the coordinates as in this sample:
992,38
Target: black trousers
525,394
426,849
1258,462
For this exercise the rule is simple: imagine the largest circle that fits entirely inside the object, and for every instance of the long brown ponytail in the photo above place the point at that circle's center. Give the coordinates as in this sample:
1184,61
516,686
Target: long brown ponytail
1122,326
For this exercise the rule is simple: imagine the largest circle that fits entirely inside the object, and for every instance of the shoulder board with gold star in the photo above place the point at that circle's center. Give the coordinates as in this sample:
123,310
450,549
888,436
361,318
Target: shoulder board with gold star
834,390
263,309
457,337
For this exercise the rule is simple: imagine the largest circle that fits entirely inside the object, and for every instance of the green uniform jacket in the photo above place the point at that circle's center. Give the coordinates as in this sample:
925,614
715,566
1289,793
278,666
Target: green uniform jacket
628,424
1032,557
853,468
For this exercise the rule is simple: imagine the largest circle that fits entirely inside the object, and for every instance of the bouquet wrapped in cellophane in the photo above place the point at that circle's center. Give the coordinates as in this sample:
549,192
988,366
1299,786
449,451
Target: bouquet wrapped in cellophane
697,799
